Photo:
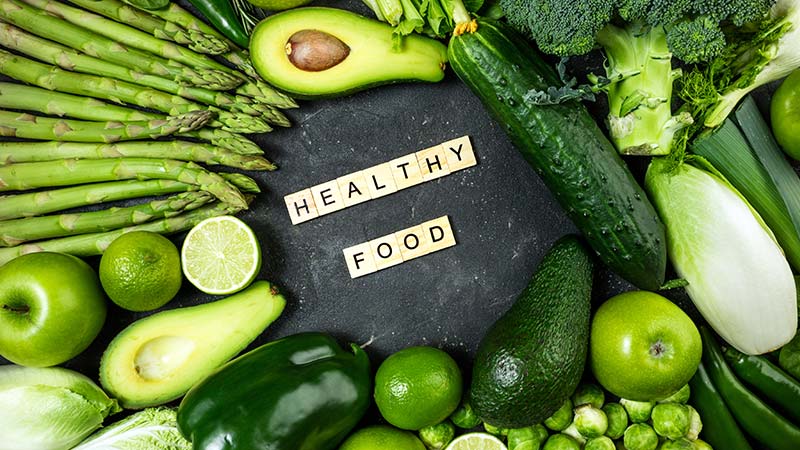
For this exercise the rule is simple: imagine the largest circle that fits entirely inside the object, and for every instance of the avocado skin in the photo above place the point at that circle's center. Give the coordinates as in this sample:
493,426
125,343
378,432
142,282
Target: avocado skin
533,357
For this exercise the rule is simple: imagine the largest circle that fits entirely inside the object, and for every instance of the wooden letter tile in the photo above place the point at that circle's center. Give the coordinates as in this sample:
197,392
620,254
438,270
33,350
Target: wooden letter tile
385,252
459,153
327,197
380,180
439,233
359,260
301,206
432,163
354,189
413,242
406,171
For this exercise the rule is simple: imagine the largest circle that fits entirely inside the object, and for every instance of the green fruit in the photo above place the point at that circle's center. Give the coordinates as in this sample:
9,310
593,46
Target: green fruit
278,5
381,437
332,52
417,387
141,271
643,347
532,358
785,114
51,308
157,359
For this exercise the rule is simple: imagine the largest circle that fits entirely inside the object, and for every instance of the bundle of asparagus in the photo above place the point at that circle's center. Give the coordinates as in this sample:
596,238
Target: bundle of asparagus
100,79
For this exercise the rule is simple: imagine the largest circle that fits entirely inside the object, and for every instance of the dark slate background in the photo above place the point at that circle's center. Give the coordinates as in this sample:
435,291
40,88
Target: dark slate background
503,217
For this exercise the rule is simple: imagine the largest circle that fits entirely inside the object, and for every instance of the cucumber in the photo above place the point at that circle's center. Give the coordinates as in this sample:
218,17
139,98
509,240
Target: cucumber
567,149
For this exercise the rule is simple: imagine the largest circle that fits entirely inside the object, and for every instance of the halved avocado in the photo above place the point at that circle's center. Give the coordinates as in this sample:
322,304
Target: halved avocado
159,358
320,52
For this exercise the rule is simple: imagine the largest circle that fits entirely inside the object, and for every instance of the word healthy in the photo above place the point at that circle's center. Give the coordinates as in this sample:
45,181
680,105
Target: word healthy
383,179
399,247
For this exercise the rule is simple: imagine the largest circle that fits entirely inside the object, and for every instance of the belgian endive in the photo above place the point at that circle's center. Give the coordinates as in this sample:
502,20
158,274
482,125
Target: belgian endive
738,276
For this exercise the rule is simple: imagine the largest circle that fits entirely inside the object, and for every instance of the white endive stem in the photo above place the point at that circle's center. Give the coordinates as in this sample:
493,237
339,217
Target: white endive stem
738,277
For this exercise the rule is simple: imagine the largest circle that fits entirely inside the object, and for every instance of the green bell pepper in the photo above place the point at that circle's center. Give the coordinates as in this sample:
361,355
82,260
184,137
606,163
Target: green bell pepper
301,392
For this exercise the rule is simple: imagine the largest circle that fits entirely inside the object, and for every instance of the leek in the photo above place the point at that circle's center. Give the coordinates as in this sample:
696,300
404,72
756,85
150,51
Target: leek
749,158
49,408
738,278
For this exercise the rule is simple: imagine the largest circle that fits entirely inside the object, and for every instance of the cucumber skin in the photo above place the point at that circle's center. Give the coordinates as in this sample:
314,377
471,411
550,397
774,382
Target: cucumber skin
568,151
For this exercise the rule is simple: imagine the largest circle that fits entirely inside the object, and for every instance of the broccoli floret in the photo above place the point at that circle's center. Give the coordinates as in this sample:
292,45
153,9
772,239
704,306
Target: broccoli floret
667,12
633,10
738,12
696,40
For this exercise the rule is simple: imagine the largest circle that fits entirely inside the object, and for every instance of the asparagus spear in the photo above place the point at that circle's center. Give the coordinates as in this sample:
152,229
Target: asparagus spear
48,51
25,125
48,26
226,139
95,243
46,202
160,28
24,176
241,181
20,152
15,232
54,78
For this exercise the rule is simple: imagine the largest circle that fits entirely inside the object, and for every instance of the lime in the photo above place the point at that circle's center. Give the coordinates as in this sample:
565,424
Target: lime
476,441
382,437
221,255
140,271
417,387
278,5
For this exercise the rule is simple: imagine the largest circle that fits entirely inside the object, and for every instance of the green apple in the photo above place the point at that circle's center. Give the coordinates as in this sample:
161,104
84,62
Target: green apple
51,308
643,347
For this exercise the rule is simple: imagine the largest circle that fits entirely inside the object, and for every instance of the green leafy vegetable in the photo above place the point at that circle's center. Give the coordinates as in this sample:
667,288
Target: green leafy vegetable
49,408
149,429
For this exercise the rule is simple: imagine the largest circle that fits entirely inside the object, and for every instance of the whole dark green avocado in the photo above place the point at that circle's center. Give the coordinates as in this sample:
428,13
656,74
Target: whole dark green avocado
532,358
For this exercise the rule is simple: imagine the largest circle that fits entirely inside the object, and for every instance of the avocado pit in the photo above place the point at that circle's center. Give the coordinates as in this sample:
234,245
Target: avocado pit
315,51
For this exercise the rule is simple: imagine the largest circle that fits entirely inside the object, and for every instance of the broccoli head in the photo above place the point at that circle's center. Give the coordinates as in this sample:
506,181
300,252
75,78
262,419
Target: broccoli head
696,40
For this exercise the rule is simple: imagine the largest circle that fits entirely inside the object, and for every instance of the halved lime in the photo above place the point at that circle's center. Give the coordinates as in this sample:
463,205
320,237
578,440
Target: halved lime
476,441
221,255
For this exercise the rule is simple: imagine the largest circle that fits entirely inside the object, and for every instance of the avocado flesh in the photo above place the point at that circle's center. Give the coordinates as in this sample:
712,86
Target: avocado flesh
158,358
370,62
532,358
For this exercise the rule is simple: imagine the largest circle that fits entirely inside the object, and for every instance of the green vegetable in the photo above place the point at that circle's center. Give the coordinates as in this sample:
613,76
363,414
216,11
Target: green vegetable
561,418
695,424
680,396
746,292
50,408
588,393
671,420
220,13
701,445
600,443
464,417
497,431
561,442
160,28
528,438
617,420
638,412
302,391
789,357
785,112
776,386
92,244
242,182
755,417
525,368
747,156
74,35
148,4
591,422
15,232
150,429
719,427
640,436
436,437
572,431
437,18
576,162
680,444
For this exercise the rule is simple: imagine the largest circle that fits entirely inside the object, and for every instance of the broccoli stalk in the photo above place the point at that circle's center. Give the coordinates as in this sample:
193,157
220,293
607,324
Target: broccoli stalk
640,119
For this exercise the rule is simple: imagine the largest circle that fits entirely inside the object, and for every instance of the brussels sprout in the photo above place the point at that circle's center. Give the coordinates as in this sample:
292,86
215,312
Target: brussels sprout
695,424
680,444
497,431
464,417
561,441
590,421
436,437
528,438
617,420
600,443
640,436
681,396
671,420
572,431
561,418
589,393
700,444
541,431
638,412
